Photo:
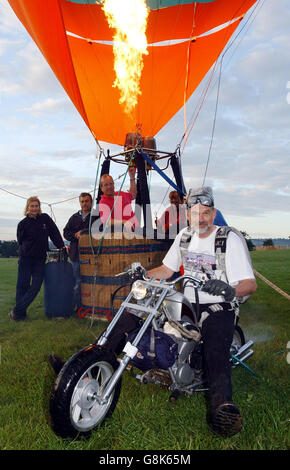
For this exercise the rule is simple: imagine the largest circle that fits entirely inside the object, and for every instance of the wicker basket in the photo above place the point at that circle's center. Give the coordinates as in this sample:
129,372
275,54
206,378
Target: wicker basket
101,260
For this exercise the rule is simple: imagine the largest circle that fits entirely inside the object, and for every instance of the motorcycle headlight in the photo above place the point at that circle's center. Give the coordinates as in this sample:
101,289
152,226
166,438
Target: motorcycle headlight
139,291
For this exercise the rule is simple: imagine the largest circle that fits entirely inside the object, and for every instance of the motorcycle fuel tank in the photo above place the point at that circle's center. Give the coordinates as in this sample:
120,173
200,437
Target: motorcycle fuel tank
178,305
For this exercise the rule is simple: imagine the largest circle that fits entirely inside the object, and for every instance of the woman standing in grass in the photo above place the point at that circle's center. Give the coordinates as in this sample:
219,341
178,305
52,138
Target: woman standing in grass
32,236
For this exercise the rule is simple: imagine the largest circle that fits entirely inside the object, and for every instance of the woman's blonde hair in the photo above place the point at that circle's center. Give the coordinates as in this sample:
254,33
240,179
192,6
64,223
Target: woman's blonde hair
29,201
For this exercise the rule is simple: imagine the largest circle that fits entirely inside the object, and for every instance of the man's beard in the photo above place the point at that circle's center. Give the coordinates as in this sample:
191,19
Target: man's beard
200,230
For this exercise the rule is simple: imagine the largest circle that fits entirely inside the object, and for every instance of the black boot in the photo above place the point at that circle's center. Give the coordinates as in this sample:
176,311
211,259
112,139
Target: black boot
226,419
224,416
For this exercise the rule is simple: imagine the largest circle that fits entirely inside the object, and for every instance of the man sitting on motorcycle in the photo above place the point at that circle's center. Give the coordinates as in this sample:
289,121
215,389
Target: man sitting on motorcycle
217,312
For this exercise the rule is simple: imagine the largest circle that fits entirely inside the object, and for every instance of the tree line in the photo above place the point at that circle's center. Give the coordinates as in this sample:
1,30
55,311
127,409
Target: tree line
8,248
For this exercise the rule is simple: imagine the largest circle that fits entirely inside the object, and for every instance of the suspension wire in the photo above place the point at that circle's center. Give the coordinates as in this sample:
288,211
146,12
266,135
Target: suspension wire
252,17
115,202
198,108
105,228
90,234
219,79
187,69
259,4
204,94
43,202
52,213
13,194
50,204
161,203
94,198
214,122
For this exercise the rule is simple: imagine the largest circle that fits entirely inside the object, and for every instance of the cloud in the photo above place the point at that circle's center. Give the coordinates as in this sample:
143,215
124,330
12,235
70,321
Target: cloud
272,19
6,45
45,148
36,76
9,23
48,106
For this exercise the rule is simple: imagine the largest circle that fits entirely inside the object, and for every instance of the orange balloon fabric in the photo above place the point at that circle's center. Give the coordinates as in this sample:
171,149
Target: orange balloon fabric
71,37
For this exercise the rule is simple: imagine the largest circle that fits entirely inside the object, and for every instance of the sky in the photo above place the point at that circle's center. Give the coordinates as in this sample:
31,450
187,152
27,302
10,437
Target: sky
47,150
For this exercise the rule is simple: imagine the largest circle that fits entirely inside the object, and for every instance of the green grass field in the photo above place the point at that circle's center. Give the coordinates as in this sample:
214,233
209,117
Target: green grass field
144,419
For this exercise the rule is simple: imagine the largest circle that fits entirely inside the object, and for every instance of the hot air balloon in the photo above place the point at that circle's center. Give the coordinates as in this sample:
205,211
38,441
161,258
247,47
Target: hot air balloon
184,40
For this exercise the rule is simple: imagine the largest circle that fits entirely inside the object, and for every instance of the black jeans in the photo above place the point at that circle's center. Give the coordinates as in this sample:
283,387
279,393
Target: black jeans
217,336
29,281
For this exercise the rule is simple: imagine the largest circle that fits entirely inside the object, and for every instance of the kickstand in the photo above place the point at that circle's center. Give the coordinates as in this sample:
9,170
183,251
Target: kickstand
244,365
174,396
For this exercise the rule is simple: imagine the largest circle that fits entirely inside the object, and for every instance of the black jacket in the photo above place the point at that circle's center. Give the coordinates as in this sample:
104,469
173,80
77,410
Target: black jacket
74,225
33,233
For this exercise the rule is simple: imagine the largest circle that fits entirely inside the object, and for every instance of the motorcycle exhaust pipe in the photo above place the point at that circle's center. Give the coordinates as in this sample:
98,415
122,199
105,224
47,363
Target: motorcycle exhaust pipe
244,348
249,353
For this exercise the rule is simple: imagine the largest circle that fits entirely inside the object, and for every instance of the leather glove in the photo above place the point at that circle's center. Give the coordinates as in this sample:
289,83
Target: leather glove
218,287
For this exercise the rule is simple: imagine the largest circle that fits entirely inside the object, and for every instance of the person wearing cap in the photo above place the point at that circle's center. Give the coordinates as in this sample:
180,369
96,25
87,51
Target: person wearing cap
217,314
174,216
122,213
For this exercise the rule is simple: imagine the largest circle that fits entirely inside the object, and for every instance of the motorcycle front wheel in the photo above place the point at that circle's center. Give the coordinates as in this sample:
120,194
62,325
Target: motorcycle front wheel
75,408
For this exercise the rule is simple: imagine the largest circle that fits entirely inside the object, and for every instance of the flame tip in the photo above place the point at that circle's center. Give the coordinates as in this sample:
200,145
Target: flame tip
130,44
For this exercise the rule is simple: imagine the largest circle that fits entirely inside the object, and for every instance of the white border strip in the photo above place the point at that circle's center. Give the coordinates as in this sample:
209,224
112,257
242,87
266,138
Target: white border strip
168,42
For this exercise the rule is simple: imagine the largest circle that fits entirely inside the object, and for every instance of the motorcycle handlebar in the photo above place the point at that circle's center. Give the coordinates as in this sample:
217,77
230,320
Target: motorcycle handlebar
195,280
137,270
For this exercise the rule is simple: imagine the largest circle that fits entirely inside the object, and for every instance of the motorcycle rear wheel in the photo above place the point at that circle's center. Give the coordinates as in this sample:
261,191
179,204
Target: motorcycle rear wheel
238,340
74,407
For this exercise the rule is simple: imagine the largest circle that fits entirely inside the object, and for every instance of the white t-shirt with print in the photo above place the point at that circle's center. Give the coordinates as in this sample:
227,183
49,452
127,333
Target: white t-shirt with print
200,259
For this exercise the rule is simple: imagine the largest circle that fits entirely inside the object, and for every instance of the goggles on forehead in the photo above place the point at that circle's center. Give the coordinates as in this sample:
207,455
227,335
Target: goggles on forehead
204,200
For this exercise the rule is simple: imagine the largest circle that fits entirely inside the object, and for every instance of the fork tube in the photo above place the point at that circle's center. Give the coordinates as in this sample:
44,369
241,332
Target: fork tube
124,362
103,339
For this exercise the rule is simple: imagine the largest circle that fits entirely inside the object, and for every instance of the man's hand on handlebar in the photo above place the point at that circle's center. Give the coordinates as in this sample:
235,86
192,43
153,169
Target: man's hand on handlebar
218,287
135,271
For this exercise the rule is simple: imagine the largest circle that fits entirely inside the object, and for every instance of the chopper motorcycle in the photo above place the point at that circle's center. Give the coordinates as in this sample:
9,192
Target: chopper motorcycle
165,345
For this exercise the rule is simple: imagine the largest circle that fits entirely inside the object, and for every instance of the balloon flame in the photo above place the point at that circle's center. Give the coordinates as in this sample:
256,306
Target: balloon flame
129,19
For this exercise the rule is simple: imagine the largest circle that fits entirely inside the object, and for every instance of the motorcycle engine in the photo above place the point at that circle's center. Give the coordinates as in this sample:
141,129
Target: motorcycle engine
184,368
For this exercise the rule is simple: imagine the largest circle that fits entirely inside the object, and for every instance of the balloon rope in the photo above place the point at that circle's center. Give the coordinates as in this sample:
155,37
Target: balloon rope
214,121
219,81
90,232
198,107
115,202
94,198
187,73
102,239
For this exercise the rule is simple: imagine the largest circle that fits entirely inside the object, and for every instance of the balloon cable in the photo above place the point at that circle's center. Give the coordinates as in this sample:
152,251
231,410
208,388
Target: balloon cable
187,71
90,231
214,121
102,238
199,105
219,79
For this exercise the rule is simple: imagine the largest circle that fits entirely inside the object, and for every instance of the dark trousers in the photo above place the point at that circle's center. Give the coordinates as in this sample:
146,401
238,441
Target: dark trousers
29,281
217,335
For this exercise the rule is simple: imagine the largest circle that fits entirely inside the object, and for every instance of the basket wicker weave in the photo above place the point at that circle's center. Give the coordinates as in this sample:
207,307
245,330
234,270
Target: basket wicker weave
99,265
